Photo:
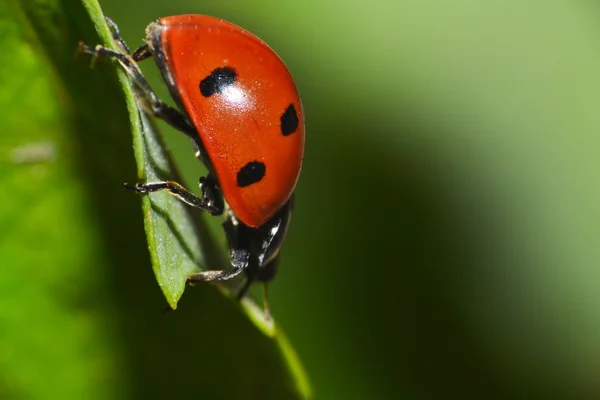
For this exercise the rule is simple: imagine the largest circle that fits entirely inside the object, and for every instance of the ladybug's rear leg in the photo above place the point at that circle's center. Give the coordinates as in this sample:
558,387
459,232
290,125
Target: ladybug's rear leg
239,256
239,260
254,251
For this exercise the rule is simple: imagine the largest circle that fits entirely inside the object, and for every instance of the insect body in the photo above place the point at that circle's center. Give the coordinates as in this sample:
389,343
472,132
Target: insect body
238,103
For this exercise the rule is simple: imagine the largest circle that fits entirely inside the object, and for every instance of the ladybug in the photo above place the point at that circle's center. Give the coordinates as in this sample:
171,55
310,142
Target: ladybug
238,103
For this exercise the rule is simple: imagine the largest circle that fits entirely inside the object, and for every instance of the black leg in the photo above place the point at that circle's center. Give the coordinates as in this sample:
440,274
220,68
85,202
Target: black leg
116,35
239,260
141,53
211,193
146,95
213,205
208,276
239,255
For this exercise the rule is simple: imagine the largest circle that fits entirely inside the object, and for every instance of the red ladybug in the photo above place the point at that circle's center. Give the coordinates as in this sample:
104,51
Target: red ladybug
238,102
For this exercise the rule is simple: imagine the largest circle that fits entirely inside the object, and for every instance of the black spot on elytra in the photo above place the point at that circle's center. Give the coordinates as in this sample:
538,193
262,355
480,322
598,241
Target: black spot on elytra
289,121
217,81
251,173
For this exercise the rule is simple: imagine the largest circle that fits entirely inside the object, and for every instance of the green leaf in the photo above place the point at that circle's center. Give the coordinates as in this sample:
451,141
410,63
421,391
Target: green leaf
178,239
75,305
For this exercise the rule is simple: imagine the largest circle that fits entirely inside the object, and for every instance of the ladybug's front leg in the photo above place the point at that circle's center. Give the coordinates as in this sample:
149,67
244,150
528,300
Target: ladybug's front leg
211,200
147,97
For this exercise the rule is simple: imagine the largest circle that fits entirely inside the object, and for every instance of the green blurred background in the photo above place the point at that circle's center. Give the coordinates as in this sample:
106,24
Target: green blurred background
446,236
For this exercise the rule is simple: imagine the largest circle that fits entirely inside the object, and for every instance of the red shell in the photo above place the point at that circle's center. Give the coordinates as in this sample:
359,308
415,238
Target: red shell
242,123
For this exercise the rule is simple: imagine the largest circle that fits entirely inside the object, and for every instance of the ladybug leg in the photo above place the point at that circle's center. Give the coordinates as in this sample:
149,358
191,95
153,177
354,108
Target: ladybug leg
239,255
254,251
211,193
147,97
116,34
210,276
141,53
264,244
210,200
